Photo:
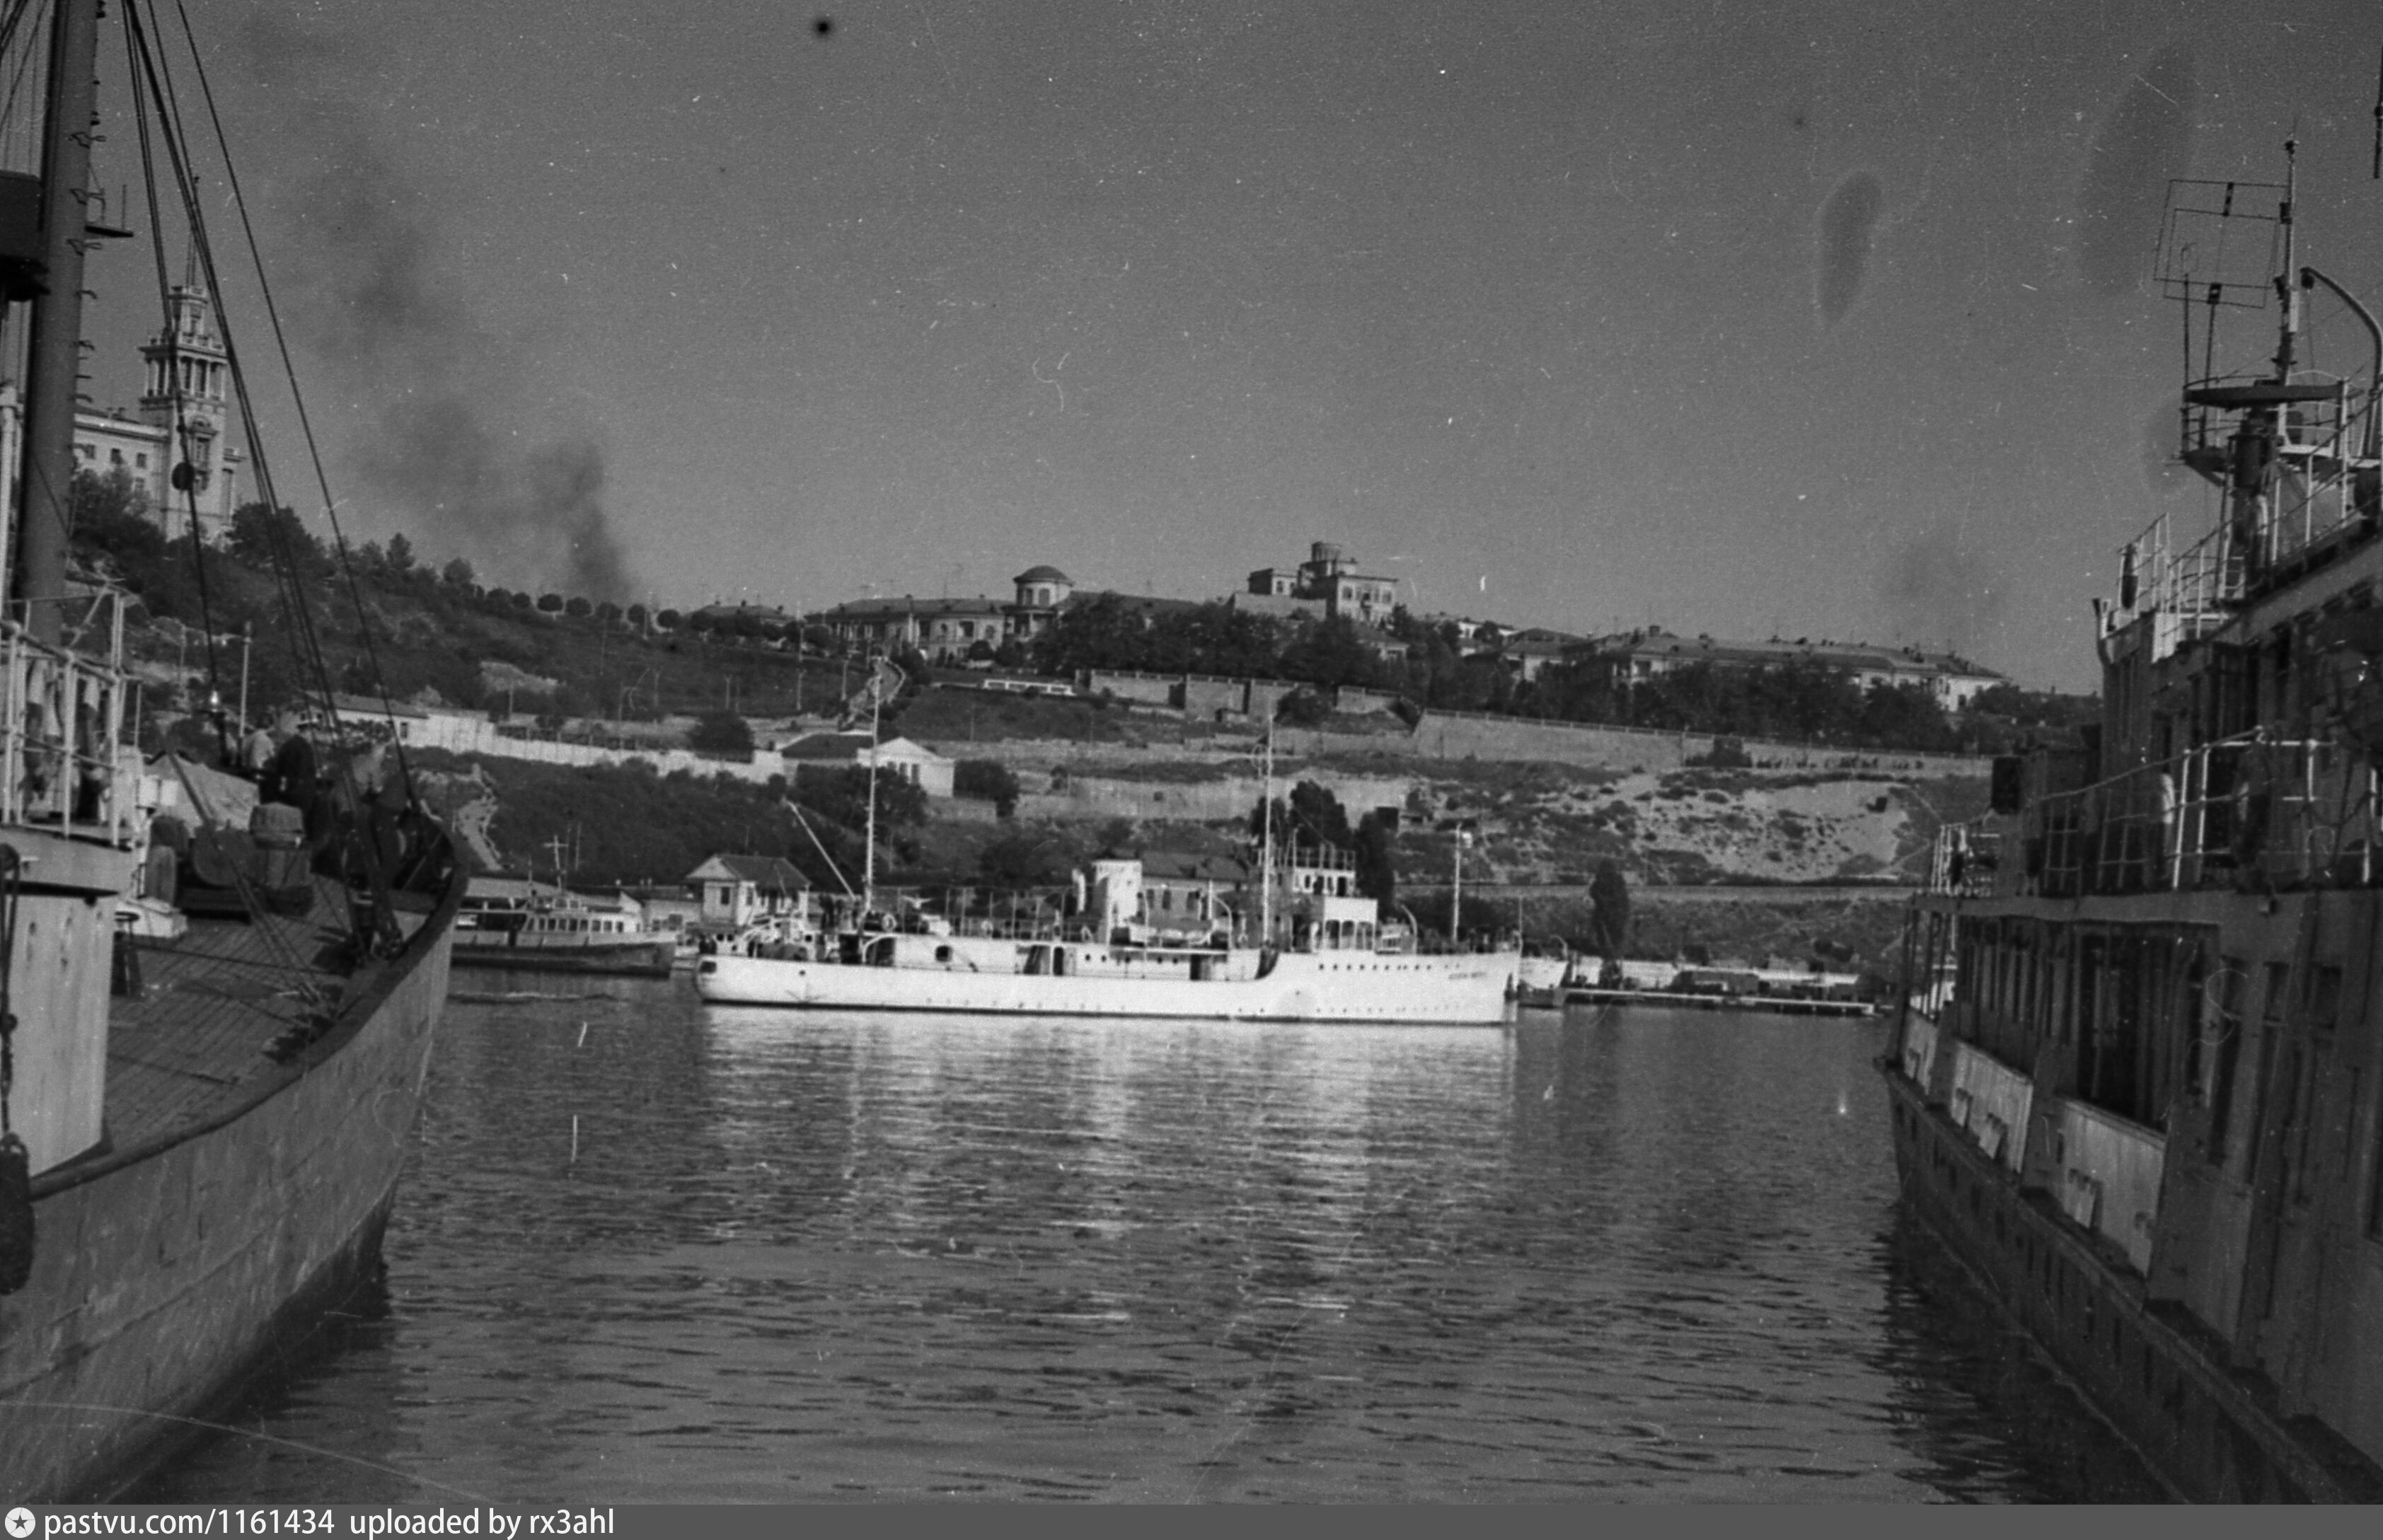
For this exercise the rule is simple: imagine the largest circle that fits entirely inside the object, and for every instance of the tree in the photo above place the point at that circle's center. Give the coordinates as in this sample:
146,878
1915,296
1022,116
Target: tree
609,612
457,574
722,732
111,513
635,615
550,604
1303,708
260,536
819,638
1329,654
522,600
1318,818
1609,928
987,781
669,620
577,607
1023,860
400,555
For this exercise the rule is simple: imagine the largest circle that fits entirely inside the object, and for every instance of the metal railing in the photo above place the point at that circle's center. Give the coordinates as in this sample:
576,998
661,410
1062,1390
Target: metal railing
60,726
2186,592
2326,485
2244,812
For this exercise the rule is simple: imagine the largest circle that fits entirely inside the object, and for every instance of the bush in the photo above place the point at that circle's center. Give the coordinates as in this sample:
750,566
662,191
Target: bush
987,781
1303,708
720,732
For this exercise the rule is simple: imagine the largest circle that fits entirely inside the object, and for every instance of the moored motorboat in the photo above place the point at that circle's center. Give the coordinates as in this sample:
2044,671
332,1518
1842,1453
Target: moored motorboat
557,933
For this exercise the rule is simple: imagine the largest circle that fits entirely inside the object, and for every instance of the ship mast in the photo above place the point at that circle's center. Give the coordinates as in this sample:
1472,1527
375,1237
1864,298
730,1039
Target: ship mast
2289,324
869,839
55,350
1265,844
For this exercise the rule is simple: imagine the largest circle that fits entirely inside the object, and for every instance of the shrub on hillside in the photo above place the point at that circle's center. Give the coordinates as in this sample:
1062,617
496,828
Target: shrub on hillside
722,732
841,791
987,781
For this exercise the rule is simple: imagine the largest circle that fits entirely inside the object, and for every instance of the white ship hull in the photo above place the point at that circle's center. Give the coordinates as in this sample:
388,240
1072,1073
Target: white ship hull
1301,985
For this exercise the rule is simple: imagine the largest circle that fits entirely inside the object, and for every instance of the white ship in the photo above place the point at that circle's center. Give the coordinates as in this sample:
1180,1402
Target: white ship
1344,963
1332,958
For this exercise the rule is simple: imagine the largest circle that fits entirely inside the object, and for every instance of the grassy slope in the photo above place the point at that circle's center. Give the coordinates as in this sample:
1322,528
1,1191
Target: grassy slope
426,634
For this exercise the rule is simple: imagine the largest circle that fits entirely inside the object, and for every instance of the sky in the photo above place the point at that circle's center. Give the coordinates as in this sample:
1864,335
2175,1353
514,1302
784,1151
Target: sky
1750,319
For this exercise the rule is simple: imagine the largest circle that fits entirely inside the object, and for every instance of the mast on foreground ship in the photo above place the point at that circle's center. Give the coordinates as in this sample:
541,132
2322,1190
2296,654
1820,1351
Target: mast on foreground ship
2146,1112
199,1174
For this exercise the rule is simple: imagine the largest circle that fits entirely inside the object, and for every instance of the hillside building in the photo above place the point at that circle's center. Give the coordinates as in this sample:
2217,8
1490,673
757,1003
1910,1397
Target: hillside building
944,630
915,763
184,416
1331,578
1954,680
733,892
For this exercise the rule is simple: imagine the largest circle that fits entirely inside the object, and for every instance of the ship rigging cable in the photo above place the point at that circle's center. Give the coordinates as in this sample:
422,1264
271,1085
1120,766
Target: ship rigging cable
297,395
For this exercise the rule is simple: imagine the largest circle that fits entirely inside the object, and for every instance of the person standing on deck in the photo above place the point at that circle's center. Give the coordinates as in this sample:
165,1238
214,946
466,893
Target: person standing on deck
256,752
290,779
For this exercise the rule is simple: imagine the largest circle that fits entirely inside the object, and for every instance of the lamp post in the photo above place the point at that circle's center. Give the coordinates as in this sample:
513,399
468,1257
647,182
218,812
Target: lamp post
1456,892
247,644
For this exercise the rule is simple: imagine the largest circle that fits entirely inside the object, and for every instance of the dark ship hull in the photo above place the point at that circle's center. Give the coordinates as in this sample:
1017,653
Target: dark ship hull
2211,1435
171,1269
2143,1100
640,959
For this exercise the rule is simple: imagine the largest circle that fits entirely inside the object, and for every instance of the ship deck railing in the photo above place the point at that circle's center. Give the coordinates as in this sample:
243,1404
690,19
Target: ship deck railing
60,735
2249,812
2327,495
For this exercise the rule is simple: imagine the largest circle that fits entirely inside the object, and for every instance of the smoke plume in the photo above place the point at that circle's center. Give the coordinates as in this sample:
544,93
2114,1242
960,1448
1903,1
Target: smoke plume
439,447
1848,219
2146,141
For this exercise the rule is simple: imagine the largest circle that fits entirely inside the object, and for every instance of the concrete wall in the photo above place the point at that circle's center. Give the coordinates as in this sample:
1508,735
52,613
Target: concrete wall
1467,735
1147,689
1360,703
461,734
1096,796
1195,694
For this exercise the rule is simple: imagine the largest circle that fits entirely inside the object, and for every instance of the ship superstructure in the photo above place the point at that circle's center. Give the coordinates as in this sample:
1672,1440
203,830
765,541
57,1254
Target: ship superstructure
2141,1097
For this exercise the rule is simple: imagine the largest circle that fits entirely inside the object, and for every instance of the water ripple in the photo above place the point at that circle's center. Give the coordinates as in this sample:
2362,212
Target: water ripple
1621,1256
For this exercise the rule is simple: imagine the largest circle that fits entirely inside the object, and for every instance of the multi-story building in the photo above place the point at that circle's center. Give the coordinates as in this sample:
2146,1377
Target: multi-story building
1331,578
183,418
1530,651
1042,591
942,628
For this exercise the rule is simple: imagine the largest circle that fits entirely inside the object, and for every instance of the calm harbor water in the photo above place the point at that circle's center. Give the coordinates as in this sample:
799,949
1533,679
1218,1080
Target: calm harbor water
1629,1255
